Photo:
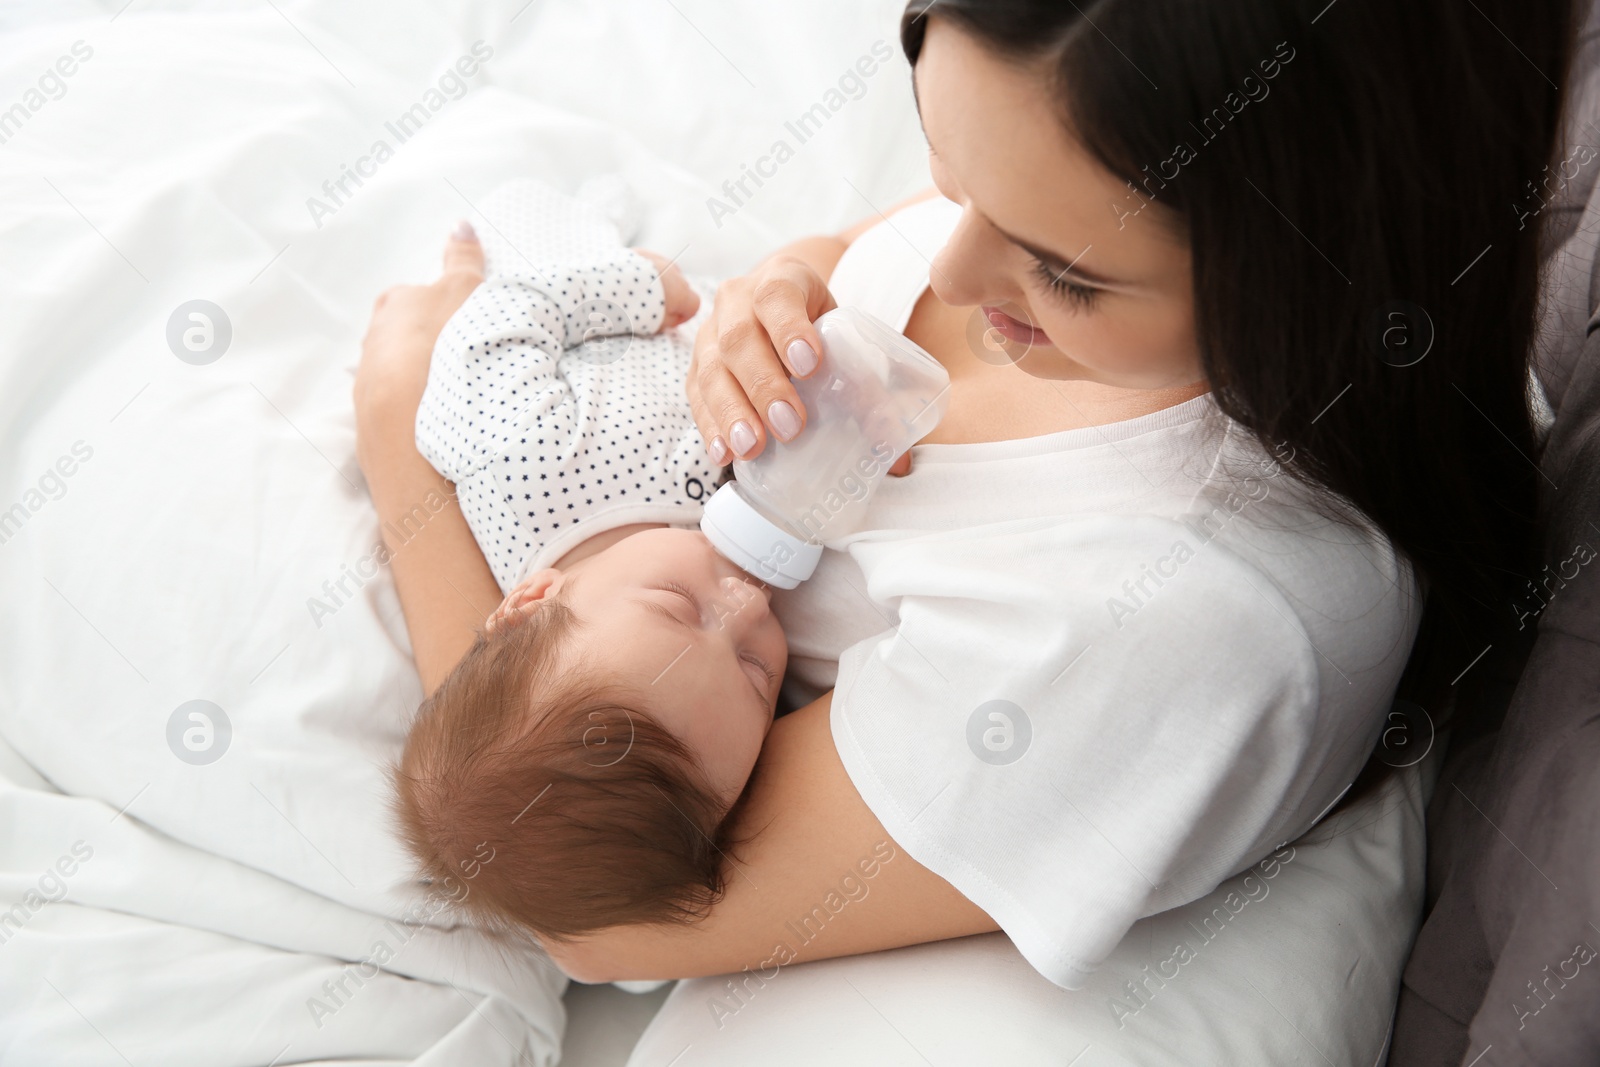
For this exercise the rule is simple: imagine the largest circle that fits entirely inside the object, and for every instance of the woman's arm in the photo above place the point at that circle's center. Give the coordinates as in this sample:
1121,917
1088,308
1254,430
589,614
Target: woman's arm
820,879
445,586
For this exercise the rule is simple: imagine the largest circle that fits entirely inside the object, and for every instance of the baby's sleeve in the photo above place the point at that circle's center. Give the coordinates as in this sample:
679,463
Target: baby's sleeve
499,355
558,411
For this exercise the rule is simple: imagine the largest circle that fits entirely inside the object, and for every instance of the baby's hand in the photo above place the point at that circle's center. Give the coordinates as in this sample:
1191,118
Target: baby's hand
682,301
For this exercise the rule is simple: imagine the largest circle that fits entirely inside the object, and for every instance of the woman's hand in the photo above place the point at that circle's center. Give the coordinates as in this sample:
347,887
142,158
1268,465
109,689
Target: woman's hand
737,369
406,321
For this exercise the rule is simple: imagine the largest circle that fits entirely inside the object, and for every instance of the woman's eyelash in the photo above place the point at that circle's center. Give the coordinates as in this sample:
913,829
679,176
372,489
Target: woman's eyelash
1081,296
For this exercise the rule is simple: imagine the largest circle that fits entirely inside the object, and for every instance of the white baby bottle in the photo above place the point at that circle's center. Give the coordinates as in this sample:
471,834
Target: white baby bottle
875,395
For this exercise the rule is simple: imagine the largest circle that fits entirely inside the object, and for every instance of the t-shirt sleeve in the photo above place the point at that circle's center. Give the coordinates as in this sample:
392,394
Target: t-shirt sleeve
1081,722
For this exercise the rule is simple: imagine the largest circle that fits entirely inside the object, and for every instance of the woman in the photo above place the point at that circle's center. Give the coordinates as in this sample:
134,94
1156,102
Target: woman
1245,240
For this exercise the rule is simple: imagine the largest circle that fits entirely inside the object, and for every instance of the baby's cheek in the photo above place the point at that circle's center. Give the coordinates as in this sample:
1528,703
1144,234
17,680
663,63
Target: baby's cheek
749,748
730,754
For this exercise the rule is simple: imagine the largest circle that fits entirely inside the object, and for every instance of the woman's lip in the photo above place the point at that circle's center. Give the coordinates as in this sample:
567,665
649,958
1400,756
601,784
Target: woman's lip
1013,329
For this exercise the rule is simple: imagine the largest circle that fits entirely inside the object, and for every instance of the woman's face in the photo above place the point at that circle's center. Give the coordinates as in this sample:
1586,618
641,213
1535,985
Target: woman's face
1075,280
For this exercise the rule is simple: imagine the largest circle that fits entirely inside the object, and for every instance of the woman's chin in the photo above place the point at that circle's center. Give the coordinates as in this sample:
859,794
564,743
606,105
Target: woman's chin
1048,361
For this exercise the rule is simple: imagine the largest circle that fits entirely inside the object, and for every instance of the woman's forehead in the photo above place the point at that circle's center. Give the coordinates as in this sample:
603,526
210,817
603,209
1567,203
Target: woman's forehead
996,128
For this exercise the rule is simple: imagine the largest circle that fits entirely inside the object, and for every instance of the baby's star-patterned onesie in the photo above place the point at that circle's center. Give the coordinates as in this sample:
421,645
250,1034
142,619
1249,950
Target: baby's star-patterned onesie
553,403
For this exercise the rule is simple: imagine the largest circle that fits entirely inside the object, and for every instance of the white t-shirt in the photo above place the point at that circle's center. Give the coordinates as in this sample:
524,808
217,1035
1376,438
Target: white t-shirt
1087,676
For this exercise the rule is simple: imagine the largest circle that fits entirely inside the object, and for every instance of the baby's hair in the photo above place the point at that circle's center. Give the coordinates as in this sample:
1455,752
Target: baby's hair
590,812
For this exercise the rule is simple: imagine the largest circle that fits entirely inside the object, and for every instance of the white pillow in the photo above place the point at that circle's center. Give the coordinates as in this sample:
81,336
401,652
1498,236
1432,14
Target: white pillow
1297,961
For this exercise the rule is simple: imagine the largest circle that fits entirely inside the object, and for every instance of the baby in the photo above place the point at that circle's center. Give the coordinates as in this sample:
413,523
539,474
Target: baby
595,739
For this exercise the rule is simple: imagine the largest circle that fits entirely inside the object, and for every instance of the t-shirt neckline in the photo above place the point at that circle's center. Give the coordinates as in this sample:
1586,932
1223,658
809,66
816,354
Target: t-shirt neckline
1193,410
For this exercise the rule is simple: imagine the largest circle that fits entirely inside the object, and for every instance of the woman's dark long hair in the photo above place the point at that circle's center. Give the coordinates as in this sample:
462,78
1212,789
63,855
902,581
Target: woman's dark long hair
1373,197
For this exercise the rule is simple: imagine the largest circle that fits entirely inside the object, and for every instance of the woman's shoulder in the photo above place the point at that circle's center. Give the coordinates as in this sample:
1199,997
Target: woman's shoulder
1333,576
1306,540
885,269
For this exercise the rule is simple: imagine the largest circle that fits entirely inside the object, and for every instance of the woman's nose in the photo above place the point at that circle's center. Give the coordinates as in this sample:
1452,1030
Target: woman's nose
966,271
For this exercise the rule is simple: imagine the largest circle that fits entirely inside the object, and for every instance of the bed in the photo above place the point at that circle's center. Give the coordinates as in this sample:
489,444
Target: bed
203,670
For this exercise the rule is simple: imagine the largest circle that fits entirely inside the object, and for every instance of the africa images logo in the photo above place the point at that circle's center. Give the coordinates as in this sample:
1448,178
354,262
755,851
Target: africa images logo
451,85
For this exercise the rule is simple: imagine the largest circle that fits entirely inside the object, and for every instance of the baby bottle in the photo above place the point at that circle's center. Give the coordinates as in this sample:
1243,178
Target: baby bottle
875,395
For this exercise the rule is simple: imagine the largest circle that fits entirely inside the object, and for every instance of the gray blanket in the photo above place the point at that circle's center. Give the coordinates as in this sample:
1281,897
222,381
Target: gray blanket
1506,967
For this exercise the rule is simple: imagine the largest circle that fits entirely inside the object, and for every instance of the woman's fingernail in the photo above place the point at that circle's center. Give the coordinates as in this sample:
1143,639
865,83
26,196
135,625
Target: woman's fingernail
718,450
464,231
802,360
741,437
785,423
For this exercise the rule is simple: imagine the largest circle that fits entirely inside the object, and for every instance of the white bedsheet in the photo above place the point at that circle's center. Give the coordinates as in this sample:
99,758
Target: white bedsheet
213,539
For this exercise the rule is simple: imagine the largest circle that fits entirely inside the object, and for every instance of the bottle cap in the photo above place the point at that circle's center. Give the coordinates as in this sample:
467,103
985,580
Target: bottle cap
754,543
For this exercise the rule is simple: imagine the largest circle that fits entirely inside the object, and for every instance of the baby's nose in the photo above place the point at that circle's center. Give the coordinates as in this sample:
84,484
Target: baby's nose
747,595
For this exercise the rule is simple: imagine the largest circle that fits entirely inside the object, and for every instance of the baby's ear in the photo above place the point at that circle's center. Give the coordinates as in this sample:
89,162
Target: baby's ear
523,600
